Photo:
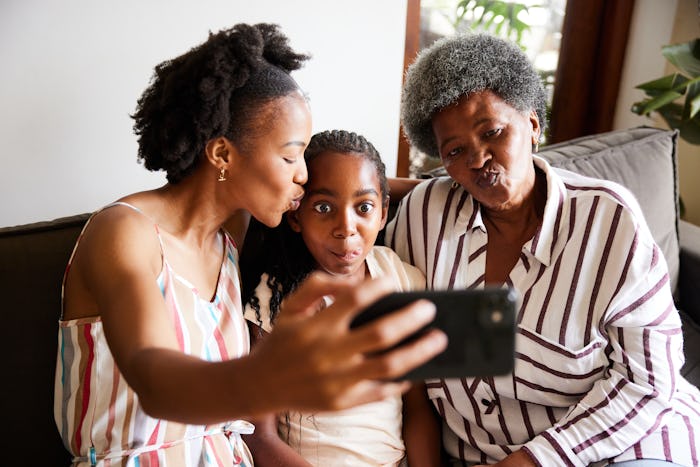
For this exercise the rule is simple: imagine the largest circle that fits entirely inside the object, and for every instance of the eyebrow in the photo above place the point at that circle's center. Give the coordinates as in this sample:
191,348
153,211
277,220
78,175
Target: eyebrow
357,194
294,143
473,125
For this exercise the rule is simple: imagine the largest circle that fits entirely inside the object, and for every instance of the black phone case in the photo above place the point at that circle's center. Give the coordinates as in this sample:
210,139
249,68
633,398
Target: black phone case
479,323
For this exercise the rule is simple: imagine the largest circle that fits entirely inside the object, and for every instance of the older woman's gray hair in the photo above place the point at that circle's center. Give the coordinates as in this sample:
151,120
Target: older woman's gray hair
463,64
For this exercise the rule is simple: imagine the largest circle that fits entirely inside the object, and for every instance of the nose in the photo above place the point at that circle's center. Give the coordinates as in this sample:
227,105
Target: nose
478,158
302,174
346,225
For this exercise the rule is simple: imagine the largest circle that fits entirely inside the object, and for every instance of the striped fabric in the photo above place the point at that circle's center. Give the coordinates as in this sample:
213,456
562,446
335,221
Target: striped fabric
599,343
99,415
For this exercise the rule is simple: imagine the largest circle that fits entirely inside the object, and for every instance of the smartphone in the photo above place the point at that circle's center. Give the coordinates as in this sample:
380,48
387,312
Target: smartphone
479,324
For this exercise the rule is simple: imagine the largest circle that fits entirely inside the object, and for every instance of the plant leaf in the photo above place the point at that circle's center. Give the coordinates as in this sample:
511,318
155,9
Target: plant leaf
685,57
692,101
663,84
656,102
672,117
690,131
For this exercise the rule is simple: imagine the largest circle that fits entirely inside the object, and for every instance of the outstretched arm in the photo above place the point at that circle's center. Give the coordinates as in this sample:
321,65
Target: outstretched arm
321,363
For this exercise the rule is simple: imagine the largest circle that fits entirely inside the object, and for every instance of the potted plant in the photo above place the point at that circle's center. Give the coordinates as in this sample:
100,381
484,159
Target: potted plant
676,97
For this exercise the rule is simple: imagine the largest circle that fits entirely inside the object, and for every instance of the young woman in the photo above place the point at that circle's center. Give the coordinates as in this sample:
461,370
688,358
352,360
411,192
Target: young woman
152,363
334,230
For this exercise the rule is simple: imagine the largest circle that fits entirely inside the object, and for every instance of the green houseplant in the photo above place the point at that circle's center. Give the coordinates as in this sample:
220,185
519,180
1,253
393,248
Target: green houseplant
676,97
500,17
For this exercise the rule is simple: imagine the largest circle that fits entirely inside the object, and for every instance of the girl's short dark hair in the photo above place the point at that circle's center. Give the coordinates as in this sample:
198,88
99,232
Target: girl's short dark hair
219,88
351,143
459,65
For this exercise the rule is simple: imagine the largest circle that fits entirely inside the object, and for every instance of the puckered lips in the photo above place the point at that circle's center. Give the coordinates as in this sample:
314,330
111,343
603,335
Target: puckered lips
294,204
487,177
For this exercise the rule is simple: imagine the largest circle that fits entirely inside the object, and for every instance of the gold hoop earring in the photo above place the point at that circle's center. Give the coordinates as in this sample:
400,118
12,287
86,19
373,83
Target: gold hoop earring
222,175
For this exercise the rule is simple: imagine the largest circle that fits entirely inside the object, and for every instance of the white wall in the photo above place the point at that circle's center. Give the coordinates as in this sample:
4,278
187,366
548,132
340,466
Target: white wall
655,24
650,29
71,72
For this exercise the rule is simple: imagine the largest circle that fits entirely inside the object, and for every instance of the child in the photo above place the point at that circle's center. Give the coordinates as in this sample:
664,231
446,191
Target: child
334,230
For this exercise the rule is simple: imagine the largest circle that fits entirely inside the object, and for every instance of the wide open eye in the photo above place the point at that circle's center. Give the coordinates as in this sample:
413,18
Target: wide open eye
322,208
365,208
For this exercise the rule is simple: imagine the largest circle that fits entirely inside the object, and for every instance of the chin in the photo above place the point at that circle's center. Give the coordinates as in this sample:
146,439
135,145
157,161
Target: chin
342,271
270,221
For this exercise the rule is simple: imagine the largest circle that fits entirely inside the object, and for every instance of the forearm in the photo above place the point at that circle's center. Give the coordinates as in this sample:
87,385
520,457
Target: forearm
623,407
520,458
268,449
274,453
421,429
313,357
178,387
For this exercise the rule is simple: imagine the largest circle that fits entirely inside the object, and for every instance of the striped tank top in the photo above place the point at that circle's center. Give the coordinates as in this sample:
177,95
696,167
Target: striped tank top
99,416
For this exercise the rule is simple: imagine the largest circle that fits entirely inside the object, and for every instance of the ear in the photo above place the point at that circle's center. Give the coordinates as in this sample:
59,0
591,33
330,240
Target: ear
219,152
385,213
293,220
536,128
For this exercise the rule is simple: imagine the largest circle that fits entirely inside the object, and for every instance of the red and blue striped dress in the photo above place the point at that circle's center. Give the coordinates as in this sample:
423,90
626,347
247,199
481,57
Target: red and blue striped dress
99,416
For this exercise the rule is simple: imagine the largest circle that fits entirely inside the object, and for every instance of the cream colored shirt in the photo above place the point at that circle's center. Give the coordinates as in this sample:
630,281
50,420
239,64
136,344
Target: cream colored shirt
367,435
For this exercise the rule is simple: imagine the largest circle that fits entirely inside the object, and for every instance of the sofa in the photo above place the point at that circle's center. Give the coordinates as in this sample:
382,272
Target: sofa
33,258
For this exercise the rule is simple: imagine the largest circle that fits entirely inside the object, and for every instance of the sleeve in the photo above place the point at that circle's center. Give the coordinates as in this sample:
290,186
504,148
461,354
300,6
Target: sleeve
263,294
414,277
645,354
384,261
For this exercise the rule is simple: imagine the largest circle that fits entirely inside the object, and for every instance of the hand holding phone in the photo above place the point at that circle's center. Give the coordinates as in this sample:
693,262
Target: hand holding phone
480,327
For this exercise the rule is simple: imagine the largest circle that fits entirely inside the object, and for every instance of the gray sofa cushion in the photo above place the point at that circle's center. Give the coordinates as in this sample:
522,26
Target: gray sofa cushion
632,158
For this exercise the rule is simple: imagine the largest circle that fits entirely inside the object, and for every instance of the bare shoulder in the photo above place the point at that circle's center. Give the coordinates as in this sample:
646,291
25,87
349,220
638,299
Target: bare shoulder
118,243
119,233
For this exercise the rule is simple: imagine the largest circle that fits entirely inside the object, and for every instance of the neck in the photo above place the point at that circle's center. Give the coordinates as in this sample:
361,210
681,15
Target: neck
189,210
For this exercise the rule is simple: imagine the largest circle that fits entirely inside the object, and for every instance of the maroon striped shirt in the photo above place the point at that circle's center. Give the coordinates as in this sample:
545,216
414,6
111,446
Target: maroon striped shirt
599,343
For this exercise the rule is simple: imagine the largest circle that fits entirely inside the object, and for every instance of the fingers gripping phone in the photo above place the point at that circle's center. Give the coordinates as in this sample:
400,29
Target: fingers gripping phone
479,324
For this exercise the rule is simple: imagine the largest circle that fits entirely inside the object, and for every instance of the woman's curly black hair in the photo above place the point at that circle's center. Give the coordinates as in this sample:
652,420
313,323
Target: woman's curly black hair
459,65
218,88
279,251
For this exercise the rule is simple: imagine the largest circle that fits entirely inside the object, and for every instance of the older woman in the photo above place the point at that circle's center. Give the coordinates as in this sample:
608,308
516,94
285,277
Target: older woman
599,344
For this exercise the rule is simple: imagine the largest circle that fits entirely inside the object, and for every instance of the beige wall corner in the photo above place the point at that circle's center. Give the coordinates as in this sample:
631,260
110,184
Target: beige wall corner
655,24
685,28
